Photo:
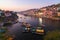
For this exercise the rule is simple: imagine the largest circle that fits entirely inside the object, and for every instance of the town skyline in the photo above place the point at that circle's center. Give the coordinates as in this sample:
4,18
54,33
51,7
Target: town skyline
21,5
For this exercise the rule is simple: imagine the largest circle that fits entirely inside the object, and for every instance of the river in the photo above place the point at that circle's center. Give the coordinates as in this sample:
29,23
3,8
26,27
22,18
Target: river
34,21
16,29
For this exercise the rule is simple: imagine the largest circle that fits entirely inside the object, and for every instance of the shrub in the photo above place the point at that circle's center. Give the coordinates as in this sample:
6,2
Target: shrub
54,35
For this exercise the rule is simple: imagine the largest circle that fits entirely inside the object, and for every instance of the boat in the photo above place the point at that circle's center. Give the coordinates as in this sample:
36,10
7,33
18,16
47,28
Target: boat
26,27
38,30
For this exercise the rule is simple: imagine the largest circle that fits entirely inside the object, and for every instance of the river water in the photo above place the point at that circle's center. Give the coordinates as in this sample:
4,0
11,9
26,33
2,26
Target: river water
34,21
16,29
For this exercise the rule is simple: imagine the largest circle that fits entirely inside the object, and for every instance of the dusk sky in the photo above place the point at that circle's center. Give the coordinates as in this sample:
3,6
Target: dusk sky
21,5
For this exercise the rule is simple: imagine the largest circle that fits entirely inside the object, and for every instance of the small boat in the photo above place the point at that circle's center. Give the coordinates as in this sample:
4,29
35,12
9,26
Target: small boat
26,27
40,30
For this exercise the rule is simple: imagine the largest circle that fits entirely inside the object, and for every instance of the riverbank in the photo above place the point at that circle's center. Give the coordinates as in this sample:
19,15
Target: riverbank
53,18
52,35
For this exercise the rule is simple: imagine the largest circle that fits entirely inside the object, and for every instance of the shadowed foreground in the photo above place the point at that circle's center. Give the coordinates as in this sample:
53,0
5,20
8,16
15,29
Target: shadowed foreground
19,35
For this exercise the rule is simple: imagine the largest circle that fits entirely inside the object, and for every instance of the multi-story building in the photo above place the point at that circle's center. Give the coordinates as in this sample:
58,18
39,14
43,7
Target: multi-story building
49,11
58,13
7,13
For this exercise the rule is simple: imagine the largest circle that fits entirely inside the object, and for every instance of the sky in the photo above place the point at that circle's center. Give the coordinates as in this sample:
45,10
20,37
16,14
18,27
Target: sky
21,5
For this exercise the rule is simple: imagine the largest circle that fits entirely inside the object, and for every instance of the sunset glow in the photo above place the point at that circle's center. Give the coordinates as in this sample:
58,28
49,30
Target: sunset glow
20,5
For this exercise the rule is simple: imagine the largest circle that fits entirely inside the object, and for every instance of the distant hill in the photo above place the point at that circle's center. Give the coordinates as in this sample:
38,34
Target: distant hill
54,5
29,12
33,11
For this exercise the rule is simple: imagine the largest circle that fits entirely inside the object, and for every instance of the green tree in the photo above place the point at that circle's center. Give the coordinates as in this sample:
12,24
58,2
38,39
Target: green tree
3,30
54,35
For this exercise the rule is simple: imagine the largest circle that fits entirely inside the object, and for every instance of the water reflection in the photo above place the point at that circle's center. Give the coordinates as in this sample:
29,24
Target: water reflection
40,20
32,20
49,24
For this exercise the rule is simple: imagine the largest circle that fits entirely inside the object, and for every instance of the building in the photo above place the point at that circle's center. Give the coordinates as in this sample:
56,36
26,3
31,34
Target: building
58,14
49,11
7,13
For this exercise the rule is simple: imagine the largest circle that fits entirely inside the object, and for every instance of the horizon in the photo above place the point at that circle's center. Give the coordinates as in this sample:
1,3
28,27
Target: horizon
21,5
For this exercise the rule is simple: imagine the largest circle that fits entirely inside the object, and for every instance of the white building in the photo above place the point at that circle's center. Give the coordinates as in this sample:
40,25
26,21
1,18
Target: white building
8,14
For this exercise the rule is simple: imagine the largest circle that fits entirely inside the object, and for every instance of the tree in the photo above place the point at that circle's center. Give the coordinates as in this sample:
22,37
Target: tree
52,35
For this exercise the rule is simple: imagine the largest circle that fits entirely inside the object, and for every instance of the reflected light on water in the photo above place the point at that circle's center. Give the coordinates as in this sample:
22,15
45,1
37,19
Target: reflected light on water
40,20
